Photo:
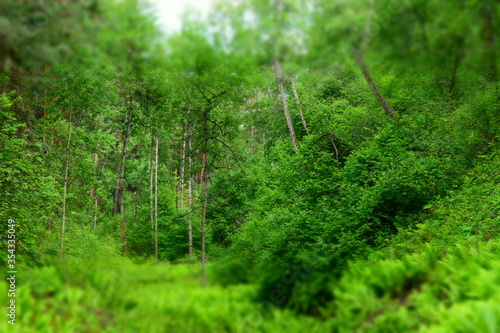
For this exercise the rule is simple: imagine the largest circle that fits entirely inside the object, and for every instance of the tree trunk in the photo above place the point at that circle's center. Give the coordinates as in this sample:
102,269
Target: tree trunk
333,142
190,201
181,173
96,208
137,198
359,46
304,123
490,38
123,223
279,76
151,186
156,199
116,198
456,64
119,190
44,116
65,187
252,139
205,200
204,180
373,87
203,222
94,191
96,198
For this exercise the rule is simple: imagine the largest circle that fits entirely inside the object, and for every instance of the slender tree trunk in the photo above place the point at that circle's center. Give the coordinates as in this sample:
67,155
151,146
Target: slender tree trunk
205,201
333,142
304,123
123,223
252,134
65,187
137,198
190,201
116,198
203,241
119,190
99,176
181,172
94,191
204,181
360,45
151,186
156,199
279,76
490,37
456,64
44,116
390,111
96,208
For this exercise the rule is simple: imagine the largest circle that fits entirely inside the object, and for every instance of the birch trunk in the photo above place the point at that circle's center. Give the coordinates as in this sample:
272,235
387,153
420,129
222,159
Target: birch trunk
279,76
304,123
124,227
181,173
361,43
120,188
117,195
190,202
94,191
96,208
390,111
137,198
65,187
151,184
205,201
203,249
333,142
156,199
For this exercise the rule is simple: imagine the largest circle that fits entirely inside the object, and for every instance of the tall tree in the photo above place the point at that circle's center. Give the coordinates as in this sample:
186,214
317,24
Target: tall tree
119,188
155,208
65,186
190,201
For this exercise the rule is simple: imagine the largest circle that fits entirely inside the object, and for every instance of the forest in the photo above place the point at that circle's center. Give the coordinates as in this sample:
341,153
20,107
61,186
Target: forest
275,166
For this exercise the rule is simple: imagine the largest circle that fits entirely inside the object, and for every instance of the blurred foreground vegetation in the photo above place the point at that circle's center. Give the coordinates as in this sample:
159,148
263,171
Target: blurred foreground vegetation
282,166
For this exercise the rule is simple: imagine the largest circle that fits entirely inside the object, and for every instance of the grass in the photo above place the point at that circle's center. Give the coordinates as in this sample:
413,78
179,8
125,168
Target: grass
121,296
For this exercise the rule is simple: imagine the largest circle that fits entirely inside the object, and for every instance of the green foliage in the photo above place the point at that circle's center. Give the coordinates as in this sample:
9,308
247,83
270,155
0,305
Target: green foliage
42,34
114,295
467,211
27,193
419,292
372,224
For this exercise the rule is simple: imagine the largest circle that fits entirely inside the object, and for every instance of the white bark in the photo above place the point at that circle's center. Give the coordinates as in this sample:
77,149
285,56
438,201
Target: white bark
65,187
304,123
156,198
190,202
181,173
94,193
291,131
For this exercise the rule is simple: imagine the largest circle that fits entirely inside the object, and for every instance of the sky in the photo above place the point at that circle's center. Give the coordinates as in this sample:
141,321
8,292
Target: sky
169,12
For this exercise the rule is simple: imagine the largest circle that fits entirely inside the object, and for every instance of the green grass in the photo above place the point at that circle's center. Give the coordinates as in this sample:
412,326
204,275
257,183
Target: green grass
421,292
121,296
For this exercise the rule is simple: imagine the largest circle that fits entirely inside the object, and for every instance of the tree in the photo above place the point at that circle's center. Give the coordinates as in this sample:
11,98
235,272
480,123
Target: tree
286,111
